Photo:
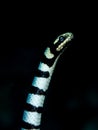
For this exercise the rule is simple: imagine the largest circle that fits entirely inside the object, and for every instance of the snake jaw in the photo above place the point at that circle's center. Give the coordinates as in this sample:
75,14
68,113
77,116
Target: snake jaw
63,43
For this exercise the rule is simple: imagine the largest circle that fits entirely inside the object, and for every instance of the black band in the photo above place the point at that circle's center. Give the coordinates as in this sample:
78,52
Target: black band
36,90
43,74
32,108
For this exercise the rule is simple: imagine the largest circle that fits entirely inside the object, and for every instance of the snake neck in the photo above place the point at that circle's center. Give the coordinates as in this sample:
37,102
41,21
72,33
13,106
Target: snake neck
37,93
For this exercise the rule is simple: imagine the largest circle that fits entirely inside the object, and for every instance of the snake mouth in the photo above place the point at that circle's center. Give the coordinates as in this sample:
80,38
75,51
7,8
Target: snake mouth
64,39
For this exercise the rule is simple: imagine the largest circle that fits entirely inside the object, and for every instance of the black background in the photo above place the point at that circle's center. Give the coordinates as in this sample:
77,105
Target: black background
72,99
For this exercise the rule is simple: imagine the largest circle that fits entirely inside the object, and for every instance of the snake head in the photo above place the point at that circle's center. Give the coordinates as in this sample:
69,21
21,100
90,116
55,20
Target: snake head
62,40
58,46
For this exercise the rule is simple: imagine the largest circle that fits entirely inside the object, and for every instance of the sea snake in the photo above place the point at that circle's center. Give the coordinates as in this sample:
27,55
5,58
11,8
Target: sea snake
35,99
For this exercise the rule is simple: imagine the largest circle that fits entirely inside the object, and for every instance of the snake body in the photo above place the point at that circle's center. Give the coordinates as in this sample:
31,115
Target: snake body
35,99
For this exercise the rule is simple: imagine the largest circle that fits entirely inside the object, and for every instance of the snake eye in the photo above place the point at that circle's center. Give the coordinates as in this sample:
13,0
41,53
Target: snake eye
61,38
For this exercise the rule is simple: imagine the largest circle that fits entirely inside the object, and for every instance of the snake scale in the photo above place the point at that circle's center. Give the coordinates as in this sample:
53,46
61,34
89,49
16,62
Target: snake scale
35,99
